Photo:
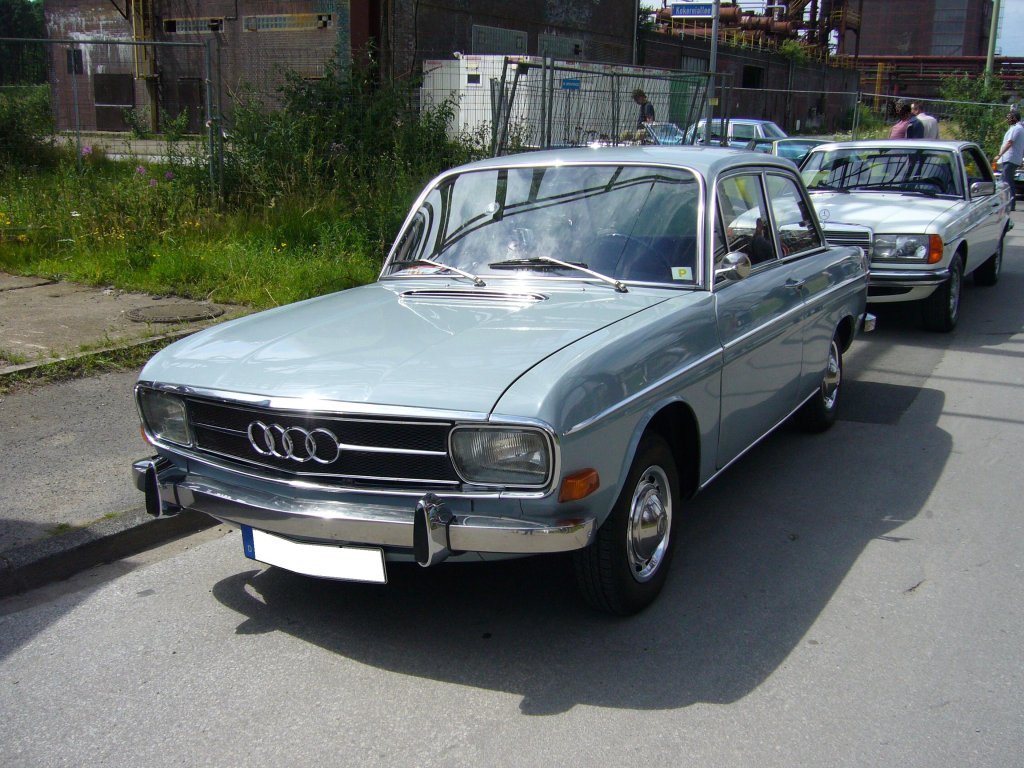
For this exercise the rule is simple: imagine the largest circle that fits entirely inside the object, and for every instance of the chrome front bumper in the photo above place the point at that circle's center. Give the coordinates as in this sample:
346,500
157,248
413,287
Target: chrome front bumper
906,278
429,529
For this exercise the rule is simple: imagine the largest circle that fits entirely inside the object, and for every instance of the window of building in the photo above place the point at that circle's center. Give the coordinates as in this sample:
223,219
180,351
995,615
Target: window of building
288,22
753,77
193,26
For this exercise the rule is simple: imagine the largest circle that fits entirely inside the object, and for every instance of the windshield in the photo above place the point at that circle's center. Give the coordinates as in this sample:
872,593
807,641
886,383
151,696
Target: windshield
630,223
902,169
665,133
772,131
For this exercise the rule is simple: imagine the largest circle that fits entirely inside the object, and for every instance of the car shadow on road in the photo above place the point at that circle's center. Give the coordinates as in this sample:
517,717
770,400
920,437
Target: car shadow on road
762,552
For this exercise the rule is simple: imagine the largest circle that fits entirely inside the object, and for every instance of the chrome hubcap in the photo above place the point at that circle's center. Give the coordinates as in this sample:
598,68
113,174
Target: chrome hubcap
833,377
650,521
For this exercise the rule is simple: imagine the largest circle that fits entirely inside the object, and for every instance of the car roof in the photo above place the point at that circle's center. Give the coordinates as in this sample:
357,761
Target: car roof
898,143
708,161
745,120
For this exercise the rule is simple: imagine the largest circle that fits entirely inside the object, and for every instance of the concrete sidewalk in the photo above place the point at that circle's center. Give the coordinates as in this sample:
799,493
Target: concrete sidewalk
53,524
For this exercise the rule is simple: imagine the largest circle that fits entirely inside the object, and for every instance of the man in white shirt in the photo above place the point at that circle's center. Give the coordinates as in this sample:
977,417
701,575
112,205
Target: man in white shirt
1012,152
929,123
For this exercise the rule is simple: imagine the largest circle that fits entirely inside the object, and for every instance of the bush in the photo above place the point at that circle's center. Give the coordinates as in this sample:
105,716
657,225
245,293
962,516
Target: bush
26,125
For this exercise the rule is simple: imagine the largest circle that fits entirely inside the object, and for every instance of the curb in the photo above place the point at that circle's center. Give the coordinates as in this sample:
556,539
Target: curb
159,341
53,559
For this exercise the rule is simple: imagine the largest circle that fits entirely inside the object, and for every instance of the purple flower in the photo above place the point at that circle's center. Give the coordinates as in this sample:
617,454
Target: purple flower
168,176
86,150
141,170
152,182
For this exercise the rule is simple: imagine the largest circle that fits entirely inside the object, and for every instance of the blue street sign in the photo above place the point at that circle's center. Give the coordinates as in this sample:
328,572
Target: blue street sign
693,10
570,83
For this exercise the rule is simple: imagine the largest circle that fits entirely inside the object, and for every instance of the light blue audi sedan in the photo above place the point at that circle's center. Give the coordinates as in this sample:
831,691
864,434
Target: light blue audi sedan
561,348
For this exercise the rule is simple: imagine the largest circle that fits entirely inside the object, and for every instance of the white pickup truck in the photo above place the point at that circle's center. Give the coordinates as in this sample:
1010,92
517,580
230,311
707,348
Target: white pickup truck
926,212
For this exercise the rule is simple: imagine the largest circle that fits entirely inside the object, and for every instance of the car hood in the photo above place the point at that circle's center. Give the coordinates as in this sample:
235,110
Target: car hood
882,211
422,345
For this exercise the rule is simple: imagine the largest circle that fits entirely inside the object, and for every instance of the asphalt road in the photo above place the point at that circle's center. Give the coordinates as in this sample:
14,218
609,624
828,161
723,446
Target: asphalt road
846,599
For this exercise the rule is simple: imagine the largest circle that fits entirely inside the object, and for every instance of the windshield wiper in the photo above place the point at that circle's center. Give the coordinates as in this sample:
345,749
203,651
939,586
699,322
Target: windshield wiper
830,188
477,281
536,261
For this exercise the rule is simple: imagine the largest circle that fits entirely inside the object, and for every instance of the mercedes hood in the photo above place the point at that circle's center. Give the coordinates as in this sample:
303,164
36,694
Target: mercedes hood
884,212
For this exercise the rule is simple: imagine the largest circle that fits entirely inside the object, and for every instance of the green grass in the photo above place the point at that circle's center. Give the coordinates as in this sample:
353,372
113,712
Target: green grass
150,229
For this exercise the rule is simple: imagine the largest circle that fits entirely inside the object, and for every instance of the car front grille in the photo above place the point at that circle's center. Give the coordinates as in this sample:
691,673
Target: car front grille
349,450
847,237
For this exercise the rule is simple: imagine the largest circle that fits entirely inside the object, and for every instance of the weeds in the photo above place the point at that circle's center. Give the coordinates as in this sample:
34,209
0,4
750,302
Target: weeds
316,189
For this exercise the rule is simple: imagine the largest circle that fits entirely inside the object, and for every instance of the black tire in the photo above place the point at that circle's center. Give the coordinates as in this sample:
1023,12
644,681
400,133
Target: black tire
988,273
625,567
941,310
819,413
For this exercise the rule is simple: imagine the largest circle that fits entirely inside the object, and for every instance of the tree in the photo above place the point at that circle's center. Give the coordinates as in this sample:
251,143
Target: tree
22,63
977,106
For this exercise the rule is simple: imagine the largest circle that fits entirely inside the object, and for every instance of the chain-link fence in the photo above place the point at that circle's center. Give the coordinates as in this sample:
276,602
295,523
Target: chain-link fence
510,103
122,97
144,97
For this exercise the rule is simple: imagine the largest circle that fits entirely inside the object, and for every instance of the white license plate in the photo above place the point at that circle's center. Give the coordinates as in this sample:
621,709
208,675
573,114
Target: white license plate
323,560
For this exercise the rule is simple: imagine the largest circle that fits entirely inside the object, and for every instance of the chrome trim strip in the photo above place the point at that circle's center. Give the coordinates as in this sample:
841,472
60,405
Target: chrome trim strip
469,294
641,393
331,408
379,525
303,483
353,447
904,278
744,452
802,307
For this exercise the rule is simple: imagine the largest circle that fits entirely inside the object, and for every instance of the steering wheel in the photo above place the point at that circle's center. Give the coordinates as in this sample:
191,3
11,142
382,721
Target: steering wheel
931,181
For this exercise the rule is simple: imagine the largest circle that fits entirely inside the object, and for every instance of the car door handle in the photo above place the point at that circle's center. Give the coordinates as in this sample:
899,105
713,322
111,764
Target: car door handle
795,284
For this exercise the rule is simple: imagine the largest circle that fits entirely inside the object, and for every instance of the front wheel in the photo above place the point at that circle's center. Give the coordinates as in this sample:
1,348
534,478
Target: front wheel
942,309
625,567
819,413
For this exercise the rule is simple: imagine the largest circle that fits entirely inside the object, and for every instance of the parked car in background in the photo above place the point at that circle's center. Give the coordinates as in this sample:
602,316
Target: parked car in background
928,213
793,148
1019,176
663,133
737,132
561,348
649,133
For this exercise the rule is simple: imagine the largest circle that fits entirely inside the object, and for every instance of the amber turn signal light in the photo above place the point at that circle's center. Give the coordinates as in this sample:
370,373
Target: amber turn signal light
934,249
579,485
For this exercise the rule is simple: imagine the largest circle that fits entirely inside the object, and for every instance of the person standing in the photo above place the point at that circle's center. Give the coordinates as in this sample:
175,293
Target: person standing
1012,153
928,123
646,108
903,119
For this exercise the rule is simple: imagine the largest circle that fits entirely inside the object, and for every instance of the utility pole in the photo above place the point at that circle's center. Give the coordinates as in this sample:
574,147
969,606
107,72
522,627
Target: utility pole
993,33
712,64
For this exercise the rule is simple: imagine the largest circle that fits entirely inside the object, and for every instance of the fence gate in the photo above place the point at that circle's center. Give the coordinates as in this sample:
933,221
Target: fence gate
543,103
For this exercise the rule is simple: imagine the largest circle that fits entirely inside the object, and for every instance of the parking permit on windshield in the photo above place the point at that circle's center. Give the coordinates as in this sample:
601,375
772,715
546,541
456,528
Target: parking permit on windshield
682,273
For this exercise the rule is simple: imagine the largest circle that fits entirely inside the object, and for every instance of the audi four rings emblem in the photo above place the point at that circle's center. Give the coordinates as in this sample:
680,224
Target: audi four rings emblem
294,443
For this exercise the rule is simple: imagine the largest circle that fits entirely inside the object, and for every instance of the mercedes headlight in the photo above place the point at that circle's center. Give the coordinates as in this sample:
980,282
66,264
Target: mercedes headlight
924,248
501,456
164,416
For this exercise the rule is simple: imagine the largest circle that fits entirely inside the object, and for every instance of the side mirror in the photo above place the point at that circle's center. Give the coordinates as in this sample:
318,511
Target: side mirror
735,265
983,189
